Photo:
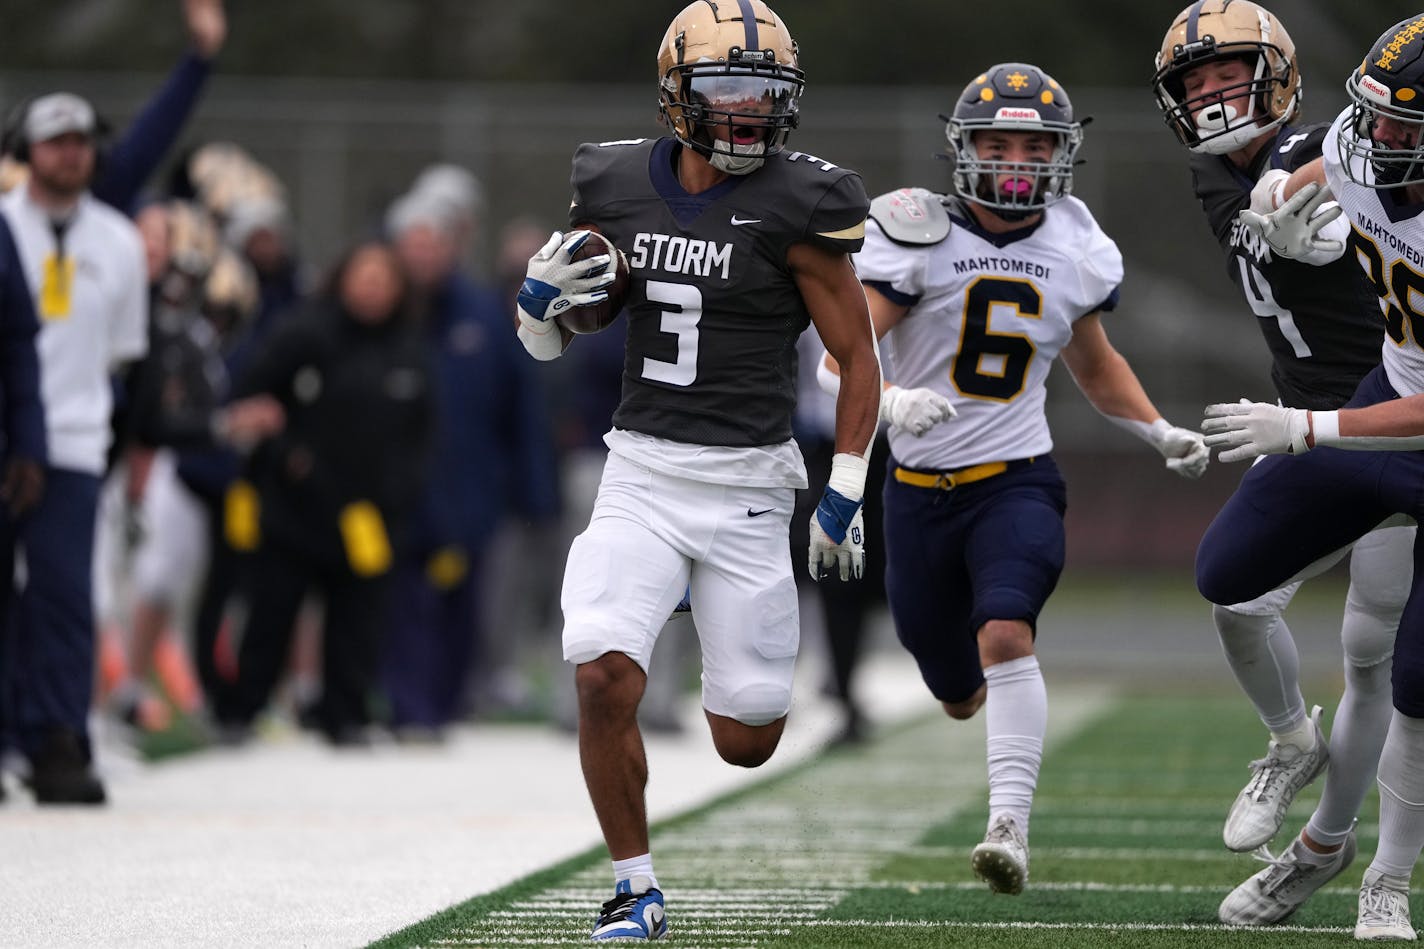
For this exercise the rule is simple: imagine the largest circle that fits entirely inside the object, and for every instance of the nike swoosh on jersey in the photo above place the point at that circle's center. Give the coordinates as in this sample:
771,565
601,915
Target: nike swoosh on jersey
751,513
739,221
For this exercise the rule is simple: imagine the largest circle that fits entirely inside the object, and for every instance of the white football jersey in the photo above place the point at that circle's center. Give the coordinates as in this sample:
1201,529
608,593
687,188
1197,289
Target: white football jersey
988,316
1388,242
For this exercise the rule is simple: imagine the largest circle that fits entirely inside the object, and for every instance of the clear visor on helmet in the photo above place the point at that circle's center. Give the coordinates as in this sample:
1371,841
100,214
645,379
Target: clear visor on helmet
743,96
1389,138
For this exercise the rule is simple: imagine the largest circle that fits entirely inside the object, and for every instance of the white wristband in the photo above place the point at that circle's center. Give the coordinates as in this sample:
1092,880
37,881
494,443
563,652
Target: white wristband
1325,428
1327,433
1269,191
848,475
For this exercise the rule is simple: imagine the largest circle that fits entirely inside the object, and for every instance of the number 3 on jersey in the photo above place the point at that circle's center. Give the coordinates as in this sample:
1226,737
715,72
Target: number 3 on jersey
993,365
682,323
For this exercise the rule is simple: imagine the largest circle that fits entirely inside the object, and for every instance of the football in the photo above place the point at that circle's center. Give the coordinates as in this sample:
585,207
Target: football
598,316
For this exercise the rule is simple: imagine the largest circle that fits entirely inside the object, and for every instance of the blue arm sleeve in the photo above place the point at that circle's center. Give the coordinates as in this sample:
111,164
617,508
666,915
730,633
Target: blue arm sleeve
130,161
19,360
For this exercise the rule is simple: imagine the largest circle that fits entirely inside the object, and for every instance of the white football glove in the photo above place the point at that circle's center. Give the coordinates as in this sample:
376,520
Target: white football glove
553,283
837,529
1184,449
1293,229
915,410
847,557
1245,430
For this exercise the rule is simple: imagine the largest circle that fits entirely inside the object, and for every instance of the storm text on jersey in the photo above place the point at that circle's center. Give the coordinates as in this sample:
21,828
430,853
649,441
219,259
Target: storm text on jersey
680,255
1250,243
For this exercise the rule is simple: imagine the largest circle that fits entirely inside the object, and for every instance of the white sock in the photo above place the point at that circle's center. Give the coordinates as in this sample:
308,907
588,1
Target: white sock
1401,787
634,866
1015,719
1262,655
1356,737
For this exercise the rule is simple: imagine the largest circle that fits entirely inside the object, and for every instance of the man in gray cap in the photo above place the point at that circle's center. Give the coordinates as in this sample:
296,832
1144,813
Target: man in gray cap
85,265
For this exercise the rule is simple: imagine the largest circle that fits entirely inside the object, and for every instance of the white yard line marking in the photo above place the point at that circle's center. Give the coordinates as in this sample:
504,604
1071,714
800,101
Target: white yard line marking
839,820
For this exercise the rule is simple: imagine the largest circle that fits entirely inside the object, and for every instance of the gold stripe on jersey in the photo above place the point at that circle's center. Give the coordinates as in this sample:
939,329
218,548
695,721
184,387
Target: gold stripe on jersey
848,234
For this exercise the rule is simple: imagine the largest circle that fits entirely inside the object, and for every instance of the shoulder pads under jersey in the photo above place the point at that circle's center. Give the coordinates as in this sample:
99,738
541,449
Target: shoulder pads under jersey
911,216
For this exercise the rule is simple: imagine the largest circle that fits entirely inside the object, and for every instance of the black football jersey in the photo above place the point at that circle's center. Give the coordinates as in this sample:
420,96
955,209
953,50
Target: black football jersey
713,311
1322,324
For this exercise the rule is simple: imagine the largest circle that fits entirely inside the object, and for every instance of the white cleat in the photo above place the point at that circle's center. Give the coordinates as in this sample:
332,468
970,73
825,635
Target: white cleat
1277,891
1260,808
1002,859
1384,909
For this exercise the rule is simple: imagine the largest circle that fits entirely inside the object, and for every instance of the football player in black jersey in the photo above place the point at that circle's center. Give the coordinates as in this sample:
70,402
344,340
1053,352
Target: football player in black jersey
1229,87
734,245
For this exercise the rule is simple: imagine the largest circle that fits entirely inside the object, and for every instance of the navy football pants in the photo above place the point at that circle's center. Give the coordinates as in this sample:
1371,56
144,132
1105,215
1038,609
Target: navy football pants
1290,511
955,559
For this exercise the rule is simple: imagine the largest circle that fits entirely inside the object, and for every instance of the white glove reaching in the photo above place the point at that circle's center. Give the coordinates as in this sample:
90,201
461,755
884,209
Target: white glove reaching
553,283
1246,430
915,410
847,557
1185,450
1293,229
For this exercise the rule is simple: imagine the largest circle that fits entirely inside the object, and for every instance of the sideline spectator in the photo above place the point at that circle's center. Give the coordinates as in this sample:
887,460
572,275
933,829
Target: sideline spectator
85,264
335,488
22,459
492,456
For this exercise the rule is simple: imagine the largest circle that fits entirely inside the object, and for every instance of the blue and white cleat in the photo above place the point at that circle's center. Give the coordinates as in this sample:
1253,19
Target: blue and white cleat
635,912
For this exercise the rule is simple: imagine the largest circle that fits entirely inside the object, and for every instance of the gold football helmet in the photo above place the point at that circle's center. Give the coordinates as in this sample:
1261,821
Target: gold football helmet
230,296
729,63
1213,30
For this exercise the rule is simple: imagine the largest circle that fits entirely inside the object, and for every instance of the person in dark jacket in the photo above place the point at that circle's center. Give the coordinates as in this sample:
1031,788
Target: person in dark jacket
336,487
493,457
23,456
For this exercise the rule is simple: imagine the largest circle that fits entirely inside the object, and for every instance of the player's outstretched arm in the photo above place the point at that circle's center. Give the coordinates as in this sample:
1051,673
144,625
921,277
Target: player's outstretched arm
914,410
833,297
1108,381
1245,430
1297,216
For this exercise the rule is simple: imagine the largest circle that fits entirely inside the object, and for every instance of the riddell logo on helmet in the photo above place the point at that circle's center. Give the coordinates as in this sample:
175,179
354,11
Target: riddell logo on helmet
1374,90
1019,114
